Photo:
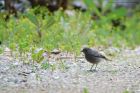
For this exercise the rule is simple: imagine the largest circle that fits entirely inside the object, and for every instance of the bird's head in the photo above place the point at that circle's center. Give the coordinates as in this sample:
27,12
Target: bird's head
85,50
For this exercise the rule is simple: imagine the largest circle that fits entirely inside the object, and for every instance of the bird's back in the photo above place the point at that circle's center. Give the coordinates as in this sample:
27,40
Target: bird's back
92,56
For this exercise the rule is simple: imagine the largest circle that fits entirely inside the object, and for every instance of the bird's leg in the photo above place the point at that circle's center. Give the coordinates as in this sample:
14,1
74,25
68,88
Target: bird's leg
91,67
96,67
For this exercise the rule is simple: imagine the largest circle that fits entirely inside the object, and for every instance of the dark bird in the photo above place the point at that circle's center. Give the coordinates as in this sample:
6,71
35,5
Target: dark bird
93,56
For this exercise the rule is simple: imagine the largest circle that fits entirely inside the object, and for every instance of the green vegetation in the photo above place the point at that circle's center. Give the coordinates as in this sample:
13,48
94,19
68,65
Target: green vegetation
67,32
86,90
126,91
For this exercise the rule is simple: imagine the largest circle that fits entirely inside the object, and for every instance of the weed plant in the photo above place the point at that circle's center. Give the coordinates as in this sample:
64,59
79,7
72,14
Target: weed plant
31,31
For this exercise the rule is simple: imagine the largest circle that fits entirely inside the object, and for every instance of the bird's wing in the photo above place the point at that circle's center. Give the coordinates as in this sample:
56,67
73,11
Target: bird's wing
97,54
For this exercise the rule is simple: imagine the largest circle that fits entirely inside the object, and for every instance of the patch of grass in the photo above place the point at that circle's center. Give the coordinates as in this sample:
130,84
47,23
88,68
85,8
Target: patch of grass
68,33
45,65
1,50
86,90
126,91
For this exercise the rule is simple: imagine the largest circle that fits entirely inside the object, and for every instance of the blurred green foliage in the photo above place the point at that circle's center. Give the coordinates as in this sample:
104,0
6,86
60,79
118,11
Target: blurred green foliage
86,90
68,32
126,91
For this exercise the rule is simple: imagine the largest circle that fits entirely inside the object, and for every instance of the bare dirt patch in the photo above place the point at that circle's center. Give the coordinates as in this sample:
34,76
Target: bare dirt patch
118,76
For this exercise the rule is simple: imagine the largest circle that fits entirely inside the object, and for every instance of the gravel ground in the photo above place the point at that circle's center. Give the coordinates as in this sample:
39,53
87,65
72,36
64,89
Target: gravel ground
121,75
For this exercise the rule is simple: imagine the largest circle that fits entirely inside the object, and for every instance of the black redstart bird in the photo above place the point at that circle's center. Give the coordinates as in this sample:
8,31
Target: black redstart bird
93,56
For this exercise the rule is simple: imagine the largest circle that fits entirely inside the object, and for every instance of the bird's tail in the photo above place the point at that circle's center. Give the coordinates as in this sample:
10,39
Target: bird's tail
106,58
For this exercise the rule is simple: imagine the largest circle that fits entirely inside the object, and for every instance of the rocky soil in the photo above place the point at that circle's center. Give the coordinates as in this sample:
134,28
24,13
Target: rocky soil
121,75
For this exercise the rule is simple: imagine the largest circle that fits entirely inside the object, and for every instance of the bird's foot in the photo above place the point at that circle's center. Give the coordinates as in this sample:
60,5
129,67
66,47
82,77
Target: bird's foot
94,70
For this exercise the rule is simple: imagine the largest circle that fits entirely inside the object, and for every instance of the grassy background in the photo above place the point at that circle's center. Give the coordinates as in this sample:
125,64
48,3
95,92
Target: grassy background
68,32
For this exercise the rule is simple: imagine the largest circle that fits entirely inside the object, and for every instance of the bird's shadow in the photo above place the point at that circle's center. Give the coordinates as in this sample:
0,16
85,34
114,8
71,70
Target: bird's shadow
94,70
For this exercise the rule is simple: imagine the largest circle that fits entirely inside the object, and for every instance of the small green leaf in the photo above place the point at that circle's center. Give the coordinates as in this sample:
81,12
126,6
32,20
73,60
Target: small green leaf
86,90
32,18
45,65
